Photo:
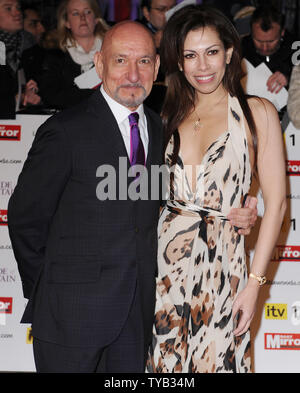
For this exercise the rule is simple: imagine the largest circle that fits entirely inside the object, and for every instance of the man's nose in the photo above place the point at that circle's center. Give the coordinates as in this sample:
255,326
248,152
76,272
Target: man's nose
41,28
133,72
16,12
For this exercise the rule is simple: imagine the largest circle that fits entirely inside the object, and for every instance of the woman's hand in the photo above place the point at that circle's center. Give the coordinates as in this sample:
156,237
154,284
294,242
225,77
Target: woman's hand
244,307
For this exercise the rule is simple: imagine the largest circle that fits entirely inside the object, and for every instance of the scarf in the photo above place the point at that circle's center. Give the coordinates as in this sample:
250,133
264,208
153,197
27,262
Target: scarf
13,44
79,56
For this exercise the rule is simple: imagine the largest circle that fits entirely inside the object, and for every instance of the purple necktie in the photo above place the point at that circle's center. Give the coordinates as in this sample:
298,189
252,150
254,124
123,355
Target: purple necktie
137,152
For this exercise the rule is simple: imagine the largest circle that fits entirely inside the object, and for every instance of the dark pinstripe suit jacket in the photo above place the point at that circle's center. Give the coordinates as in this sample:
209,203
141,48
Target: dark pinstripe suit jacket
80,258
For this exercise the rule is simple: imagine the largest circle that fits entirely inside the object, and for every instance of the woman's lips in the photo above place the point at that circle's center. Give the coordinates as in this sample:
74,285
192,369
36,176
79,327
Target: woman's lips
205,78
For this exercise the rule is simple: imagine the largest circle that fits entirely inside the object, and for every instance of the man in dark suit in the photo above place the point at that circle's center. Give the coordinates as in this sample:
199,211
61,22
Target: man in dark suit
87,263
88,266
270,43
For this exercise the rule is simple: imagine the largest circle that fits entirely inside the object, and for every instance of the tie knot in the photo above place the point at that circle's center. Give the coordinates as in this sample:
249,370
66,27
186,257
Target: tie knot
133,118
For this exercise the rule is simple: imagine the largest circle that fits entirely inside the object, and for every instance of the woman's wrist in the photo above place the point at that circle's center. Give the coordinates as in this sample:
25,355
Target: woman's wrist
260,279
255,281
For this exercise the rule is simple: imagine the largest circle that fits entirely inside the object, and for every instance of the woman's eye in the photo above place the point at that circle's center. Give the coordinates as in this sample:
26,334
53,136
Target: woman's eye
213,52
189,56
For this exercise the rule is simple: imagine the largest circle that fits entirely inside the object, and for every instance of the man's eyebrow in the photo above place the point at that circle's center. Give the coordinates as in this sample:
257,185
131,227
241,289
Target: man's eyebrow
256,39
140,57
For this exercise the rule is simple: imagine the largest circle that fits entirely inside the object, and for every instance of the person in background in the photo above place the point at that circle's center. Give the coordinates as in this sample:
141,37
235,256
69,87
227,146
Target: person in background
154,16
33,23
293,105
16,41
80,31
154,19
269,42
33,57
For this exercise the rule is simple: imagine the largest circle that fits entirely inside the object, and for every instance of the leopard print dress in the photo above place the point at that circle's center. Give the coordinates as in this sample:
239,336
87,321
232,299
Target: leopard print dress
201,262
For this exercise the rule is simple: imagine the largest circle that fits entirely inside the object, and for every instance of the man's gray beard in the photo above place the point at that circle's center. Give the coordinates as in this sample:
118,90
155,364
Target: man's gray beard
133,101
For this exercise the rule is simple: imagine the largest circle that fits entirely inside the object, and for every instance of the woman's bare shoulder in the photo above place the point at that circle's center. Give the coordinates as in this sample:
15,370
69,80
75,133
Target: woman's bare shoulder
262,110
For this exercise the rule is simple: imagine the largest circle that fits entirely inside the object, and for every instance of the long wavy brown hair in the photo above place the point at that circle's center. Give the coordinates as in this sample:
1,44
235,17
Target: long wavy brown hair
181,96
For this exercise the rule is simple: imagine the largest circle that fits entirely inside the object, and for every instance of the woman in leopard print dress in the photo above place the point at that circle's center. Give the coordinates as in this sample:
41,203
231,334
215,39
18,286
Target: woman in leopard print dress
215,138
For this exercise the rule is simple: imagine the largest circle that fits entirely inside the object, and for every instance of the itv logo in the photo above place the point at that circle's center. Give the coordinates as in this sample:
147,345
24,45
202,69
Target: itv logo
276,311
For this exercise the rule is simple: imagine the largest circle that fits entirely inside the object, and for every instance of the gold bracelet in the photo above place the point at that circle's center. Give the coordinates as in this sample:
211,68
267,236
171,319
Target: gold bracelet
261,279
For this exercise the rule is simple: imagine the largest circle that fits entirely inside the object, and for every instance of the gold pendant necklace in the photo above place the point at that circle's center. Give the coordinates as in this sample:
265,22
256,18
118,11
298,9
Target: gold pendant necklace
198,124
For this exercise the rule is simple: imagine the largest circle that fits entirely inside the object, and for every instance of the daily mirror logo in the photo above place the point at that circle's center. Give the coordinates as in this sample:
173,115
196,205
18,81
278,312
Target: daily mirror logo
282,341
286,254
3,217
6,305
10,132
293,168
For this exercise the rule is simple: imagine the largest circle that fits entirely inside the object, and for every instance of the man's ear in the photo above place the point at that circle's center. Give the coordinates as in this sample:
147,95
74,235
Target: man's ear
157,64
98,63
146,13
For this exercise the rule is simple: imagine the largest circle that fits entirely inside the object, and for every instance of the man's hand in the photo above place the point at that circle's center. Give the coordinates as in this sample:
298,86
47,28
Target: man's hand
245,217
276,82
30,94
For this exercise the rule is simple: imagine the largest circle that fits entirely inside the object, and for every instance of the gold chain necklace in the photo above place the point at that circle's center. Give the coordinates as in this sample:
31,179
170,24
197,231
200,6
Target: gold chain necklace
198,124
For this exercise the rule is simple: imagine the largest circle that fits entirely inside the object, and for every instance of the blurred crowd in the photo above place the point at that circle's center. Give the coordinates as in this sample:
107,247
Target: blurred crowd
39,62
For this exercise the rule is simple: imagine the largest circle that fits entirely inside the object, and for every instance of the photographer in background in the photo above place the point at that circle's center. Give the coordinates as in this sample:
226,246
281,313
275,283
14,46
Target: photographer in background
269,42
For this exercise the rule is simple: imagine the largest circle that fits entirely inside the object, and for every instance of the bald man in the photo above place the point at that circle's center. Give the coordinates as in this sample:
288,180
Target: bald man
87,263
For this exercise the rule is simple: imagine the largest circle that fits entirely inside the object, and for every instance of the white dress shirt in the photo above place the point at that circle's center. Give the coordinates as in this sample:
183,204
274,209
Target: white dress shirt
121,114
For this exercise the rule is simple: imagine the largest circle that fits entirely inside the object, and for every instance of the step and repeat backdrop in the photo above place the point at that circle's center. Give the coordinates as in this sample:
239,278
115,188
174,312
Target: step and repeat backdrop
276,328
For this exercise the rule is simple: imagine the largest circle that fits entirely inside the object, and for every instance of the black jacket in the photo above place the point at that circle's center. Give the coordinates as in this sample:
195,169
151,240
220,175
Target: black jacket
80,258
56,83
32,62
8,88
280,61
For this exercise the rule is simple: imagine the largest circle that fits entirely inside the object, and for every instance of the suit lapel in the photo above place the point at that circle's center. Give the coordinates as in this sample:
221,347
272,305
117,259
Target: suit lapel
107,123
